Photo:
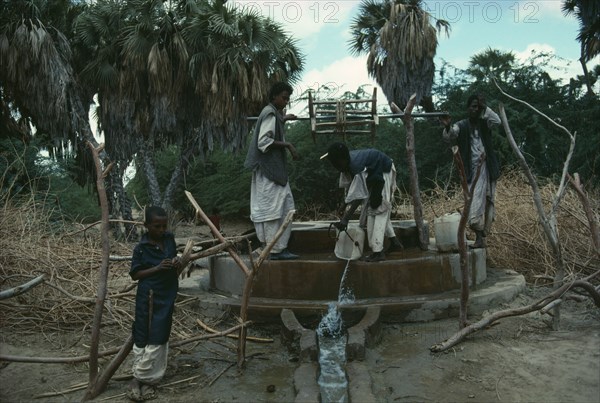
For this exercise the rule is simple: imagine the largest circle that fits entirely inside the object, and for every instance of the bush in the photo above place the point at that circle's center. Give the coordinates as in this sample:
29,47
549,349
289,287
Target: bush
26,174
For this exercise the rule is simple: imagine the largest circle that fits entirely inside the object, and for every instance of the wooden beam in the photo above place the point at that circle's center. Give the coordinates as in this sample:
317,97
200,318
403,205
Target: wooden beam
350,123
347,101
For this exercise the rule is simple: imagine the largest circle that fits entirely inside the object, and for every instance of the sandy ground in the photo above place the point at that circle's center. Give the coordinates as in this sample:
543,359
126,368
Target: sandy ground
519,359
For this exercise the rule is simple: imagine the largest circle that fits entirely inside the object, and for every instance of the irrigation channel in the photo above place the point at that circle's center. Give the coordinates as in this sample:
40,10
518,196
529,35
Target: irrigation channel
332,340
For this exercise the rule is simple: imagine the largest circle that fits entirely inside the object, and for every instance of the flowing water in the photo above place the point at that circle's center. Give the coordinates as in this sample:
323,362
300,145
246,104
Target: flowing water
345,293
332,348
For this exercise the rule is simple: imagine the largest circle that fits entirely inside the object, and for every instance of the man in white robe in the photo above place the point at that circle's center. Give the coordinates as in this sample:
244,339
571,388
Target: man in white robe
270,196
474,139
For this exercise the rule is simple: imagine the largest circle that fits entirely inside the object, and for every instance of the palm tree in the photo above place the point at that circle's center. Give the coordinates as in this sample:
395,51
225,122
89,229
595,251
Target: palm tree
183,73
235,57
492,62
588,14
40,86
131,49
36,79
401,43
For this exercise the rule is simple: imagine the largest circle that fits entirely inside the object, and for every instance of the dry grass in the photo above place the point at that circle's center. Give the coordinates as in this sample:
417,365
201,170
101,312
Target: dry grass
31,245
64,302
517,240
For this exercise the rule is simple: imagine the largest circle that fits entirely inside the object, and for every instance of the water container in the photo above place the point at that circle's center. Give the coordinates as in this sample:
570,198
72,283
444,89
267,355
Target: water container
446,232
350,243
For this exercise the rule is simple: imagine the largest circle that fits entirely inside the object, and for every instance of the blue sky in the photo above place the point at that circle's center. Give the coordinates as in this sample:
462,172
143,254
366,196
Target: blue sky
322,30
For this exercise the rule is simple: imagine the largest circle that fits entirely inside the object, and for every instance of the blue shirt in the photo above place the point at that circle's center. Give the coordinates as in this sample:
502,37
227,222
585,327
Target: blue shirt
374,160
164,285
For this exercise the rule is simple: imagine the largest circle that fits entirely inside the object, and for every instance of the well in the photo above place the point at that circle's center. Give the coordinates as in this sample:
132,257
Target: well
405,281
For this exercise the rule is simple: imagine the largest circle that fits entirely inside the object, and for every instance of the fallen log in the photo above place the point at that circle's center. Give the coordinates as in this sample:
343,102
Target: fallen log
536,306
20,289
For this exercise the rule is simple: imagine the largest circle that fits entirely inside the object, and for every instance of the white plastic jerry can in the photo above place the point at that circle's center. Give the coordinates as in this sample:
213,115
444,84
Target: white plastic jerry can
350,243
446,232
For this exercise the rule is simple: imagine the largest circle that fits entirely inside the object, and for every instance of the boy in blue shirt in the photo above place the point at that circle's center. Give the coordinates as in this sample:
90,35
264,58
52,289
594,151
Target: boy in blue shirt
155,266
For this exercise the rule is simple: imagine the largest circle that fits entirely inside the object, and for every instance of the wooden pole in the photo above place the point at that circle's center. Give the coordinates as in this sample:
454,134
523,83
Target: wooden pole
249,283
94,387
217,233
250,274
412,169
462,225
585,202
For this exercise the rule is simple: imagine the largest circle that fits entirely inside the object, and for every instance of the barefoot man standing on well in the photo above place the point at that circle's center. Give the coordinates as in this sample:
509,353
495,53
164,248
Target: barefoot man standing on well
474,138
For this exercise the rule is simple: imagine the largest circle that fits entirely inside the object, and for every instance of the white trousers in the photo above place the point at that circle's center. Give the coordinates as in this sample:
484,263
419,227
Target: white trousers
379,224
150,363
265,231
482,211
379,227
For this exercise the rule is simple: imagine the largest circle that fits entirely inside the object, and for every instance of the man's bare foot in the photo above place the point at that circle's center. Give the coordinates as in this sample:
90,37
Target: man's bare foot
479,241
148,392
134,391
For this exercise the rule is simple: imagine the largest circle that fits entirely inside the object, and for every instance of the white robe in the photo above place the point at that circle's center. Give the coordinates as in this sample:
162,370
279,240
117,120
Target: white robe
150,363
269,202
482,212
378,222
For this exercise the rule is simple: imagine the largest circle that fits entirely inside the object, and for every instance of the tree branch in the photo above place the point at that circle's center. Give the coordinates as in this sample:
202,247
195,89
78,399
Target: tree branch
585,202
462,225
85,358
408,121
20,289
95,387
536,306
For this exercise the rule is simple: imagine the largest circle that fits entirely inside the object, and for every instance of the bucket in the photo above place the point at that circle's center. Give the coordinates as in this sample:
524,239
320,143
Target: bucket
446,232
350,243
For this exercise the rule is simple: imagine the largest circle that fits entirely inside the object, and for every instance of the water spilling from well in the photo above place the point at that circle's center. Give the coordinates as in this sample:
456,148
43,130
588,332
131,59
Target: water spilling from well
332,347
332,376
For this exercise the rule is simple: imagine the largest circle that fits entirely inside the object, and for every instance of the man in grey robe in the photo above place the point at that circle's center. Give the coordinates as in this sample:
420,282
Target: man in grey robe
474,139
270,196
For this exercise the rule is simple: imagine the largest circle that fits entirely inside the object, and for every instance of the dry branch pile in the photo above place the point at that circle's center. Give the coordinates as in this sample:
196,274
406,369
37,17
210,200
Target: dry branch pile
64,301
517,240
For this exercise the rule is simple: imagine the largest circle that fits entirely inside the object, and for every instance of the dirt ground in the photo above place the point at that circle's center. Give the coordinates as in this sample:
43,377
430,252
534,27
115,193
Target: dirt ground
519,359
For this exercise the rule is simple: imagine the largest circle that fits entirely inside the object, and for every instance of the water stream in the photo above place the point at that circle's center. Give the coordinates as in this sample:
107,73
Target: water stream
332,340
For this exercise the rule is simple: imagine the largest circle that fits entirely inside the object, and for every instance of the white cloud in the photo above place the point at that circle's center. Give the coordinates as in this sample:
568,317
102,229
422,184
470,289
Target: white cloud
552,7
300,18
346,74
559,68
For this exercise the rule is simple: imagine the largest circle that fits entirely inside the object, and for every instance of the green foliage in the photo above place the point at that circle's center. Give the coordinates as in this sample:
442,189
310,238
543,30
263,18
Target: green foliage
164,162
217,182
73,203
20,168
27,174
543,144
221,184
